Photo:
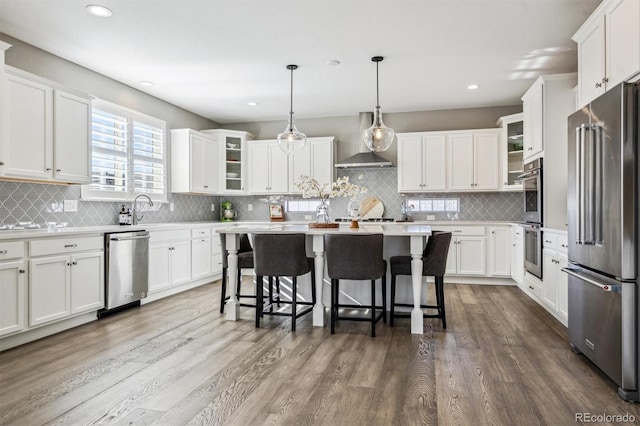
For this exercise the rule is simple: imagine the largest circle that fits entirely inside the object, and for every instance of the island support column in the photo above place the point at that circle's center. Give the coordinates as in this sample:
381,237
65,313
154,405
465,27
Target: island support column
417,246
318,308
233,307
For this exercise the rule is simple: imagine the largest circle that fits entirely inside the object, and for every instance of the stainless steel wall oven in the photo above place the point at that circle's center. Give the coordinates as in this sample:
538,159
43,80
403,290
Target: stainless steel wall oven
532,197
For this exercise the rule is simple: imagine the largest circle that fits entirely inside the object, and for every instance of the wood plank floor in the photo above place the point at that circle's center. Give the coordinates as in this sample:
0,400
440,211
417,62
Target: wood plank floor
503,360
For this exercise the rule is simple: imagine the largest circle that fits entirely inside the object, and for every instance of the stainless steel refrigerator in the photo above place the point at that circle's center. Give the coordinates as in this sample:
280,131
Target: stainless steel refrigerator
603,234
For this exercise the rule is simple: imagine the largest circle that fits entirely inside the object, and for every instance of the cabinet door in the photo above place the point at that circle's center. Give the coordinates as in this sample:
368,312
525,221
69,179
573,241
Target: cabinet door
517,255
550,282
486,160
258,154
623,41
322,168
452,267
563,290
180,262
210,167
591,64
278,170
434,160
12,293
87,282
537,115
159,266
460,161
500,252
470,253
72,135
49,289
197,172
300,165
200,258
410,164
27,123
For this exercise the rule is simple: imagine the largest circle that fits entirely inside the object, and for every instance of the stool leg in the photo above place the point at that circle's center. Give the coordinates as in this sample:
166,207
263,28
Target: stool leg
384,298
258,300
393,300
239,284
313,286
270,293
294,298
334,284
373,308
223,290
444,313
278,289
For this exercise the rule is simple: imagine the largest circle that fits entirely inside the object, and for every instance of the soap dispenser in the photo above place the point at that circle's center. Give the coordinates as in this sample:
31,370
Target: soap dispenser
122,216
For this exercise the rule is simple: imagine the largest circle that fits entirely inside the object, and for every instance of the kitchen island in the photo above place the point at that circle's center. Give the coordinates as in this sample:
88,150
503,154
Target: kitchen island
415,233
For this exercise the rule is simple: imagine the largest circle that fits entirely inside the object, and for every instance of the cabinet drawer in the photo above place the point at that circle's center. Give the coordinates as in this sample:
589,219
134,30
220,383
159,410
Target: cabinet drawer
217,262
549,240
172,235
461,230
534,287
517,233
200,232
12,250
64,245
563,243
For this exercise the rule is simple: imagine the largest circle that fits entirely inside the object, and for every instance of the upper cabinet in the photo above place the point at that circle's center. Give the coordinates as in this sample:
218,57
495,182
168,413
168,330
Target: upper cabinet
232,151
511,151
532,111
315,160
608,48
46,131
194,162
461,160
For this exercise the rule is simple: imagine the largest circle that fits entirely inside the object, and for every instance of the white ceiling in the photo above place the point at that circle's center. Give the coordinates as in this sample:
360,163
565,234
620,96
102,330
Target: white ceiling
212,57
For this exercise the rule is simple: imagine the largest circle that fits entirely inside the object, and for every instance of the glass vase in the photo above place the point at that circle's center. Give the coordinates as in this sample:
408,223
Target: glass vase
322,212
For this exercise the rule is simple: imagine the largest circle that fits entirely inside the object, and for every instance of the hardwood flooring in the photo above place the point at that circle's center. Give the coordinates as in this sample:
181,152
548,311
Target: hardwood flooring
502,361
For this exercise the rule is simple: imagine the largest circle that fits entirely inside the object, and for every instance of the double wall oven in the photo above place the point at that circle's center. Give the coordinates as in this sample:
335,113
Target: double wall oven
532,185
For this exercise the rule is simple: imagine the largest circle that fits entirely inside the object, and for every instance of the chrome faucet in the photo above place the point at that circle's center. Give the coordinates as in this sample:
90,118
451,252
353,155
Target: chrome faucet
137,219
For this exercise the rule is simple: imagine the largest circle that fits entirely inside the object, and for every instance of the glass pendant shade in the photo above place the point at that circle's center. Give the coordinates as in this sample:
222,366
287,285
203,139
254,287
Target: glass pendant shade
291,140
378,137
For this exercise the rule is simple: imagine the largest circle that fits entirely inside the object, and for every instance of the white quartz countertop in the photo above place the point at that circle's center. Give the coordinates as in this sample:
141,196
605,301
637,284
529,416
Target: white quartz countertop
68,231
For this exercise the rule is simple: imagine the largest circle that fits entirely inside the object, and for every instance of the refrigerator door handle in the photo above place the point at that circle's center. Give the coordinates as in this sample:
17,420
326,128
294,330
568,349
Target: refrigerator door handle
603,287
580,179
597,141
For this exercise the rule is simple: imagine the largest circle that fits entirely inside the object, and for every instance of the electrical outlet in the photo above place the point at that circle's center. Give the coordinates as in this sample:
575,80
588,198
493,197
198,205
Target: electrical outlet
307,217
250,207
213,207
70,205
431,217
172,207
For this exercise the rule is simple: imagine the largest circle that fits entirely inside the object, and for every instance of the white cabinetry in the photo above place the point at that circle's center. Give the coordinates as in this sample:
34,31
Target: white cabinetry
268,168
608,48
499,256
473,159
422,162
554,282
200,252
532,111
517,255
511,151
232,165
169,258
467,252
194,162
315,160
46,131
66,277
216,253
12,287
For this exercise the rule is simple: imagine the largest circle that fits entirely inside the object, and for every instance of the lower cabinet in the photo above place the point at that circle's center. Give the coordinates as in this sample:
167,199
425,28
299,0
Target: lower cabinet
517,255
216,254
200,258
467,252
169,264
12,296
500,259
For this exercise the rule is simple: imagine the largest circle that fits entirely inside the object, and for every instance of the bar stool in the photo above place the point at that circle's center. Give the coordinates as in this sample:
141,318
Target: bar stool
245,261
282,255
434,263
356,257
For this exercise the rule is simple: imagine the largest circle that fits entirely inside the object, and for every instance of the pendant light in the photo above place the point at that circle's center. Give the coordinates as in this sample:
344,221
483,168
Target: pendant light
291,140
378,137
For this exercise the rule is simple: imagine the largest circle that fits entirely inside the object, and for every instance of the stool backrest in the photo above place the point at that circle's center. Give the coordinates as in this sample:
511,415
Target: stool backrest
280,255
245,246
354,257
435,253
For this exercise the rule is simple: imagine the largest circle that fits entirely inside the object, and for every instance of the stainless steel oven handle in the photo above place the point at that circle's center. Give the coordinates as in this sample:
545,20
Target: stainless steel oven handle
145,237
603,287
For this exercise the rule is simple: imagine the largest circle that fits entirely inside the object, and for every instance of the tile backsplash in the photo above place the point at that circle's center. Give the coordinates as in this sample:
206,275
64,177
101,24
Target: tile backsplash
383,184
42,203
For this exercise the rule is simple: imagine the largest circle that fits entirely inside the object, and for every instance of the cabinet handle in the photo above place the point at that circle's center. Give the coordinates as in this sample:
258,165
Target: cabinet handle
605,80
531,287
563,245
21,271
457,230
1,163
70,245
530,148
48,169
58,170
598,85
513,245
3,252
206,186
74,263
68,264
506,183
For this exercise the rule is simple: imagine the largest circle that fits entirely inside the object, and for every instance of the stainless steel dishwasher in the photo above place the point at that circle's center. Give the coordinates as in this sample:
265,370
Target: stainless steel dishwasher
126,270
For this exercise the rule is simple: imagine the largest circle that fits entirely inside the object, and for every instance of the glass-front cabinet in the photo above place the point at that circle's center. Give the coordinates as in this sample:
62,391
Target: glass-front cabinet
511,151
233,159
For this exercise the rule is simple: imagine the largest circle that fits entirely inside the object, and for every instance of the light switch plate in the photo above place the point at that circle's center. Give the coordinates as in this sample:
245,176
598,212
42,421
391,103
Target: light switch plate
250,207
431,217
172,207
70,205
213,207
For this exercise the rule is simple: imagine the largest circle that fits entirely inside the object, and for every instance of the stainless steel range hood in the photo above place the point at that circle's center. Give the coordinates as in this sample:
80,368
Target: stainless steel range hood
365,159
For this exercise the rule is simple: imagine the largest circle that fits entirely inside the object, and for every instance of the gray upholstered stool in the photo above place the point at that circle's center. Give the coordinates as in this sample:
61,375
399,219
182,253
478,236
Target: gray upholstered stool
434,263
356,257
282,255
245,261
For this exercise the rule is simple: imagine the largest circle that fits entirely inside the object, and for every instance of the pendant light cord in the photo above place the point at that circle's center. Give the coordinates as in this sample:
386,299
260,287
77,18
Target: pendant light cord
291,92
377,88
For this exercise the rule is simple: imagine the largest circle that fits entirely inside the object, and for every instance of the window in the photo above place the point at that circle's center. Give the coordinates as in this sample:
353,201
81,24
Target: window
127,155
433,205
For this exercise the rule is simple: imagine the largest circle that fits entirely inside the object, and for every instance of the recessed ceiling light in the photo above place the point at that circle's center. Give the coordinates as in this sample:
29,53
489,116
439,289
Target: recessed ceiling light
252,103
97,10
333,62
472,86
147,83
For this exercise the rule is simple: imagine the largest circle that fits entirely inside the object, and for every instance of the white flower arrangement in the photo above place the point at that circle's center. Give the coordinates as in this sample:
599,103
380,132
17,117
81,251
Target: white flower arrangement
311,188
